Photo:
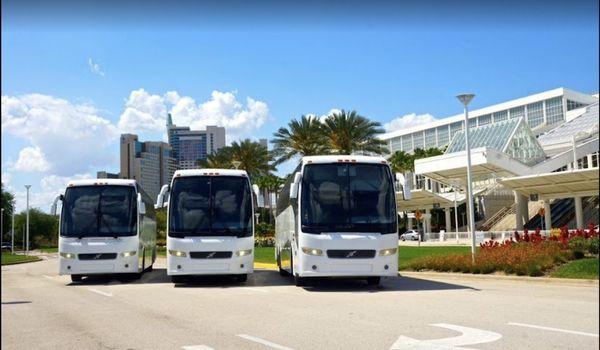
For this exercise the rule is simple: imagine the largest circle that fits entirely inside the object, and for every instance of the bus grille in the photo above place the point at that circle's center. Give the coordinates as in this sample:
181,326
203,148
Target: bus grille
210,255
97,256
351,254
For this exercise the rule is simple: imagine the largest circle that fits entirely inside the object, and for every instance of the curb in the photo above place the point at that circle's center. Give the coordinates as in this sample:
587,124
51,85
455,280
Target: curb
23,262
265,266
547,280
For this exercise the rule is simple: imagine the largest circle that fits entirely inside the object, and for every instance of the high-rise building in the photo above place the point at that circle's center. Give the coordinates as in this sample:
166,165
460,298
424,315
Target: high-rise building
191,146
264,143
106,175
149,163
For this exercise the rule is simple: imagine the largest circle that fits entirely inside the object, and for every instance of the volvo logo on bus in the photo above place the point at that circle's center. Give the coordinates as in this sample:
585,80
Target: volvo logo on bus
97,256
211,255
351,254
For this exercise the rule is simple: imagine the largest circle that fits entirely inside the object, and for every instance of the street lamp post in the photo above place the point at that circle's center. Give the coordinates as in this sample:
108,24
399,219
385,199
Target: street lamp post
27,237
1,227
465,99
12,232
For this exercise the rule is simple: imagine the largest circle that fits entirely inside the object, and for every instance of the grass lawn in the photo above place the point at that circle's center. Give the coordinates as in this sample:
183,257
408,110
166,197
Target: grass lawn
10,259
48,249
406,254
583,268
264,255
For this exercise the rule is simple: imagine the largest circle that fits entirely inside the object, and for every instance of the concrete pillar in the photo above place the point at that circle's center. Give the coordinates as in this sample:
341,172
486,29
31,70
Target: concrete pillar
547,215
427,220
410,224
448,220
519,211
578,212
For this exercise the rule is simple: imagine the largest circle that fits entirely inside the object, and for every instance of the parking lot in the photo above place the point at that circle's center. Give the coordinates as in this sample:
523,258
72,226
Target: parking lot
43,310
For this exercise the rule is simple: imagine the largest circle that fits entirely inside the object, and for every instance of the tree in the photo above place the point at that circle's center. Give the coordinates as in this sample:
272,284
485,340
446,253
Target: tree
253,157
43,228
404,162
302,137
161,223
269,184
8,205
221,159
349,132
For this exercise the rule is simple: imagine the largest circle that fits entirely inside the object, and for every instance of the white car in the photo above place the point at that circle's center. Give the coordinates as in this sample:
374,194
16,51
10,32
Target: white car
410,235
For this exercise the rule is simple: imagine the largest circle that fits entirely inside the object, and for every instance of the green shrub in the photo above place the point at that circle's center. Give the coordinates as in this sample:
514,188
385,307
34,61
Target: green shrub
593,245
578,246
264,229
264,241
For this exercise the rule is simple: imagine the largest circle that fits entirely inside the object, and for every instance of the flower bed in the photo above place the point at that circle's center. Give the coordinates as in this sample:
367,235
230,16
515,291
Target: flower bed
528,254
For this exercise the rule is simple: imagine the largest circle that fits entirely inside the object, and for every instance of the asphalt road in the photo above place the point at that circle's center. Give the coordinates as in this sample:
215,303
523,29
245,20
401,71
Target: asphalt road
41,310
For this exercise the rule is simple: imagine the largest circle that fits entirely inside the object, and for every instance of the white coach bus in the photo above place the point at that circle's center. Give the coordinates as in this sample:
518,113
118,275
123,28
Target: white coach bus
336,217
107,226
210,223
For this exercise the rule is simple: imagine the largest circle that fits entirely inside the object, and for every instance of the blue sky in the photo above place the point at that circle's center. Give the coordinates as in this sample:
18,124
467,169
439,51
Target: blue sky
268,63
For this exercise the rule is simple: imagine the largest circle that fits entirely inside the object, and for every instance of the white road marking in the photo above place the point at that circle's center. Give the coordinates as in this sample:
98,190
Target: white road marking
264,342
553,329
197,347
469,336
106,294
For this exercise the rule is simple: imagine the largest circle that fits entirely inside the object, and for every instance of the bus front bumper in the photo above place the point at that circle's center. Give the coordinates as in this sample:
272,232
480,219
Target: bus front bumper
97,267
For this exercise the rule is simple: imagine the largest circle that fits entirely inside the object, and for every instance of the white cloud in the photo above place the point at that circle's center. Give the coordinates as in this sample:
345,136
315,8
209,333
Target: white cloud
31,159
95,67
147,112
6,178
408,121
42,195
72,137
324,116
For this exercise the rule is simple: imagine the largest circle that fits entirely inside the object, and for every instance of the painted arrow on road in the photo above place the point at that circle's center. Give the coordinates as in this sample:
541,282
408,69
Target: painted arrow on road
468,336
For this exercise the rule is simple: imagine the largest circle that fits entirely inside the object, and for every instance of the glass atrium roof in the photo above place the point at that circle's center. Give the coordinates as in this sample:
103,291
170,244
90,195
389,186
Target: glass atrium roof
587,123
513,137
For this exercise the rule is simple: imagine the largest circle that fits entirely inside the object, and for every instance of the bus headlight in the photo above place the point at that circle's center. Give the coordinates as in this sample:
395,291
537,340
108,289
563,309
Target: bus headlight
68,255
177,253
312,251
128,254
243,252
389,251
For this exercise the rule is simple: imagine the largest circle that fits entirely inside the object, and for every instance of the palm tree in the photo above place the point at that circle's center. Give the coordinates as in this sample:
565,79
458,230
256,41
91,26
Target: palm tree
302,137
402,162
349,132
253,157
221,159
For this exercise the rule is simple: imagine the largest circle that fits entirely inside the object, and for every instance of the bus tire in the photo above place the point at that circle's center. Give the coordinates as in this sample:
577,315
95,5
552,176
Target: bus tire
373,281
282,272
76,278
242,278
299,281
177,279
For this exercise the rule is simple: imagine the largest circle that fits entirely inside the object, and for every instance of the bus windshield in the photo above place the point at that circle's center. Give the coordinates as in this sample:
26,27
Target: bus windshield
347,198
99,211
210,206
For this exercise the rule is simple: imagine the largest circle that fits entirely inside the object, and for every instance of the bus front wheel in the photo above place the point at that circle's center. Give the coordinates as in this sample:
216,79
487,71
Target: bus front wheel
373,281
76,278
242,278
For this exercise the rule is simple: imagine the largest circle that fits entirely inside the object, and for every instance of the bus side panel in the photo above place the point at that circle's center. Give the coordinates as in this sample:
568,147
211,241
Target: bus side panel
285,224
148,240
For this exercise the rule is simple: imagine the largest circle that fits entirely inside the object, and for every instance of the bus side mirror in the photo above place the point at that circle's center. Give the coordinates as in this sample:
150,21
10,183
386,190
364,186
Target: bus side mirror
160,199
404,184
141,205
295,186
60,197
256,190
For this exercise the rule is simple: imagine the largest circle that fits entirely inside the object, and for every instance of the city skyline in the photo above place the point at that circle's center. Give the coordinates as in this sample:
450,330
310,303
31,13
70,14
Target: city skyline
89,83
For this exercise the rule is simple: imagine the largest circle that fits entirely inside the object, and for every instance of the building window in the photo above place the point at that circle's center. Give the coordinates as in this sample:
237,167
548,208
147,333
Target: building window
407,143
554,110
396,144
535,114
485,119
472,122
500,116
574,105
454,128
429,138
442,135
418,140
517,112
